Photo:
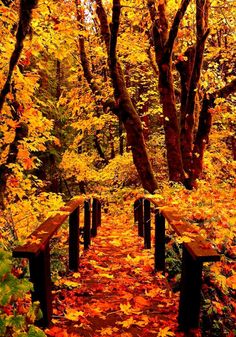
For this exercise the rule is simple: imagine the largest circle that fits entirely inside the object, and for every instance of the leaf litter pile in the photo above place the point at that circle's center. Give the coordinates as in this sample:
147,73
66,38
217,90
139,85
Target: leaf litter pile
115,292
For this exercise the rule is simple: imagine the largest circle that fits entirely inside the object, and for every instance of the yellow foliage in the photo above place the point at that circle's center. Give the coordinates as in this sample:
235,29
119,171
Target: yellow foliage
164,332
79,166
22,217
73,315
120,170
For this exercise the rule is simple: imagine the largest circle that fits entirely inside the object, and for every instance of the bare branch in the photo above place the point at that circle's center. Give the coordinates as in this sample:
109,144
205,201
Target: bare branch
225,91
159,31
152,9
175,26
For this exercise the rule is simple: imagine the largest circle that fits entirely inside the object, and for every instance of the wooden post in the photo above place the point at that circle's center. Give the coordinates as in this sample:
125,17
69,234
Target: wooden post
40,276
147,224
74,237
87,224
99,213
95,212
190,292
138,209
159,241
136,205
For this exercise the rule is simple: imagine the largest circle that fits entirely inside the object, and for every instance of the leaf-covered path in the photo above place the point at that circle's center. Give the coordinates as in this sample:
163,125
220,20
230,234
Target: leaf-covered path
115,292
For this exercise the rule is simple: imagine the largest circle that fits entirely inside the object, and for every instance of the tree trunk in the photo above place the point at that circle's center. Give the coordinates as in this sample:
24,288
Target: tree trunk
123,106
121,138
204,128
163,40
21,133
187,134
201,140
127,112
171,126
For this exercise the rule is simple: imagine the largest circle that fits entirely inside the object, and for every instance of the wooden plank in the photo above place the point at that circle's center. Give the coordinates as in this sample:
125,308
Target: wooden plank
41,236
159,256
74,237
147,224
140,219
87,224
72,204
99,213
190,292
199,248
40,276
94,218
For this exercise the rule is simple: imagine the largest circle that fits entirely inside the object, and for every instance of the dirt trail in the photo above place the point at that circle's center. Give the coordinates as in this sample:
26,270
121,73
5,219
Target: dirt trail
115,292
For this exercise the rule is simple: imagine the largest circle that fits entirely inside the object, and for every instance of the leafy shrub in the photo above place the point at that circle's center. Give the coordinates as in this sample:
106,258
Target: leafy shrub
120,171
17,314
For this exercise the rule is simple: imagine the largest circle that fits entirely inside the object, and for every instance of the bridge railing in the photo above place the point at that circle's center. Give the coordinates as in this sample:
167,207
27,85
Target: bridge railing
194,254
37,247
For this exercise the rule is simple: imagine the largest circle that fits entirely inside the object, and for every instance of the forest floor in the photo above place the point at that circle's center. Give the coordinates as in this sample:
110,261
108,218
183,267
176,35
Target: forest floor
115,292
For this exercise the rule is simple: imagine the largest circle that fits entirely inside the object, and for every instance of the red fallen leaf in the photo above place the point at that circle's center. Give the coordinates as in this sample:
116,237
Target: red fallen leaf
141,301
58,332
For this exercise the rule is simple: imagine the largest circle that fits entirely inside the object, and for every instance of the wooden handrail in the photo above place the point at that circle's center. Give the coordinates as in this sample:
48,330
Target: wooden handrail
199,248
195,253
38,239
37,249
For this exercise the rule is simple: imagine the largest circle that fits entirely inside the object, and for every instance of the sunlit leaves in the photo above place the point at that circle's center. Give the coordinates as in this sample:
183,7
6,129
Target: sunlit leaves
164,332
108,331
73,315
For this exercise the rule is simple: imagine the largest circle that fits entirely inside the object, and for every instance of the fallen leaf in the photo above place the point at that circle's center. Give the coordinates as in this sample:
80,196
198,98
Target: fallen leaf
73,315
163,332
127,323
141,301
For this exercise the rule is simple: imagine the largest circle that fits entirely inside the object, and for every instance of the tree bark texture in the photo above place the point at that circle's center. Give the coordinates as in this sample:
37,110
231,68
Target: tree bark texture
21,133
163,40
171,126
25,16
188,113
127,112
26,8
90,79
204,128
123,104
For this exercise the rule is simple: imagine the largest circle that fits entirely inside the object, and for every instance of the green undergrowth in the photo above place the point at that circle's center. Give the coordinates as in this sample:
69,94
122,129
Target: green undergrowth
17,314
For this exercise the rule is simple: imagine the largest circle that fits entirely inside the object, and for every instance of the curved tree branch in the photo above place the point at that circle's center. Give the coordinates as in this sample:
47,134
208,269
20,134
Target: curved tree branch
204,127
175,27
26,8
225,91
104,26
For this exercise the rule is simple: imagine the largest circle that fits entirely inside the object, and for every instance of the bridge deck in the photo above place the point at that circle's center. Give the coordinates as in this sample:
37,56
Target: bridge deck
115,293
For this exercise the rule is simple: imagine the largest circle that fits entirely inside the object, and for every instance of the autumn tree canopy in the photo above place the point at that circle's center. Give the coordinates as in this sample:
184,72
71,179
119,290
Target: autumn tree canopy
85,82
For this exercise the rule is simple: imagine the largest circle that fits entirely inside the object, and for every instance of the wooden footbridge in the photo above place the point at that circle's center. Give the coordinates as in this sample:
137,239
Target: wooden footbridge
136,301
